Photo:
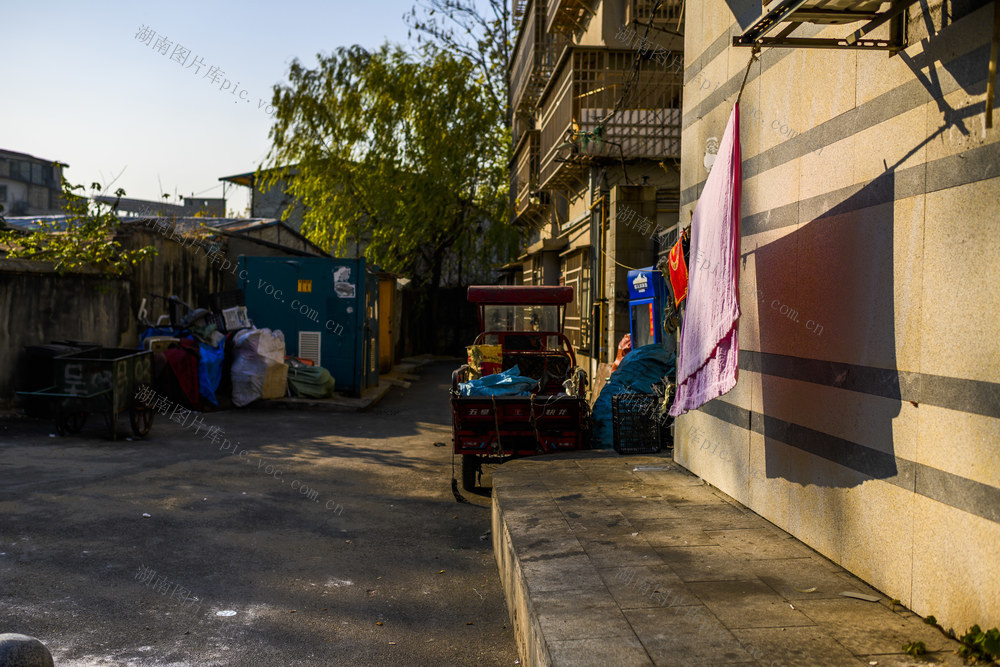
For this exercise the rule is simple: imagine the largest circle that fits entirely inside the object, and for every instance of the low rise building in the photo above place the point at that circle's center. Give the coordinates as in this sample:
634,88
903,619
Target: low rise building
30,185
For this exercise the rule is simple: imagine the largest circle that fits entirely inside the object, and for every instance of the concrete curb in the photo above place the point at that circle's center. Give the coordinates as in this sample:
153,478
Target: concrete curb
632,560
527,632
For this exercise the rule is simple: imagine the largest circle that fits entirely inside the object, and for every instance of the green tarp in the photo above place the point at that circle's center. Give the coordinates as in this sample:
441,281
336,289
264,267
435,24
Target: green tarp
310,382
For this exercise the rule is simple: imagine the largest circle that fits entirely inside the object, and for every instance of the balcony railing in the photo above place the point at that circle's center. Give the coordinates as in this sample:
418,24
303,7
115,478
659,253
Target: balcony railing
535,56
584,91
517,9
524,177
668,11
568,16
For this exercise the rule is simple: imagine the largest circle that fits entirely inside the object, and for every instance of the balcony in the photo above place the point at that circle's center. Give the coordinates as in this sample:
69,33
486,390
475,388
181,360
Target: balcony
669,11
535,55
524,179
568,16
583,91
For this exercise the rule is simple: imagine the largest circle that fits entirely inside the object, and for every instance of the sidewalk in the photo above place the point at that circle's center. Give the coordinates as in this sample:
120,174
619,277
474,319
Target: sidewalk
400,376
613,560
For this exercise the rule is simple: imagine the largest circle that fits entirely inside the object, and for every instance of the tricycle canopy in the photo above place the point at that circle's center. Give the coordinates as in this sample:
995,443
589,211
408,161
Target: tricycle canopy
506,308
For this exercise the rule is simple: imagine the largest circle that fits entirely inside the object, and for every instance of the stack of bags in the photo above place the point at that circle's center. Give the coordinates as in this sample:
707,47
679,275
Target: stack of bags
259,370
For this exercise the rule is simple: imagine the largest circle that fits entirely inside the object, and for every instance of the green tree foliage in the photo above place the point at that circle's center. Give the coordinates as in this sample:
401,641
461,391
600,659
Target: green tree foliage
398,151
480,30
85,239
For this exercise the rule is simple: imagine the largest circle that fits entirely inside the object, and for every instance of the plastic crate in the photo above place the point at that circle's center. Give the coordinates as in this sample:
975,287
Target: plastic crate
637,430
221,301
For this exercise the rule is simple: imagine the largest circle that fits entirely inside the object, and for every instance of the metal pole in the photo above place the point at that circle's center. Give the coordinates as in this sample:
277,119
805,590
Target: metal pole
991,77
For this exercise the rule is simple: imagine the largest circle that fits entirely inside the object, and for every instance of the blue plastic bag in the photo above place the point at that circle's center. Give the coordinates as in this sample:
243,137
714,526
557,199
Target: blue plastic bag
210,371
507,383
638,372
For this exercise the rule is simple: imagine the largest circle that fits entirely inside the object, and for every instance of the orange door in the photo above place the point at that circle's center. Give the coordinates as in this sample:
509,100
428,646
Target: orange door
386,292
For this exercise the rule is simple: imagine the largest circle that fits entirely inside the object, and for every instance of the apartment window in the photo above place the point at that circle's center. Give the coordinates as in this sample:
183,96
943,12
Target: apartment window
576,273
3,193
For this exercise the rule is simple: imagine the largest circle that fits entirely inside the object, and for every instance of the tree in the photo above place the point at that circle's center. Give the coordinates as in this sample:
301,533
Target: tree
398,151
85,239
481,35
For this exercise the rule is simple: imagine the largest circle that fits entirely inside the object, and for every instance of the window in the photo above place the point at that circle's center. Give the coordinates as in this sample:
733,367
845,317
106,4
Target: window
576,273
527,317
3,193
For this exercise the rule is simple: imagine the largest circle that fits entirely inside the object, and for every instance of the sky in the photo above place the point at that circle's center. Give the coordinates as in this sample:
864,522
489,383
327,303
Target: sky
79,86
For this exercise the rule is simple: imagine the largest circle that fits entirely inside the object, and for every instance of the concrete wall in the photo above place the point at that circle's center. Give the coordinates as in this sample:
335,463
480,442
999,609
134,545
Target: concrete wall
37,305
272,202
181,270
866,420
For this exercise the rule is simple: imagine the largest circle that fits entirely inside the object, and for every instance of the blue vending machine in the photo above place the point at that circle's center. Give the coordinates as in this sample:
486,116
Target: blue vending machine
646,292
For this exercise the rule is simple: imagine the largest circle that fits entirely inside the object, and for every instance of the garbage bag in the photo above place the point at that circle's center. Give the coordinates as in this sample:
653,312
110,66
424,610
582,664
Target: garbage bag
259,370
210,371
310,382
508,383
639,370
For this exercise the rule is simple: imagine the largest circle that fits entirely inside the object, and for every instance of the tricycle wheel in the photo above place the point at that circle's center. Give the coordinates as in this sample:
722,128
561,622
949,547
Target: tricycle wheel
470,468
70,422
140,416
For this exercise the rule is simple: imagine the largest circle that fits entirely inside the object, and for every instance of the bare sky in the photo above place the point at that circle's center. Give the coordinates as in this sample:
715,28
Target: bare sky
78,86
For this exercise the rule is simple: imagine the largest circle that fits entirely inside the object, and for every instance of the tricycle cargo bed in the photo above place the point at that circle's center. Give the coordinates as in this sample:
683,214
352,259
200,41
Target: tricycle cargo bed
517,425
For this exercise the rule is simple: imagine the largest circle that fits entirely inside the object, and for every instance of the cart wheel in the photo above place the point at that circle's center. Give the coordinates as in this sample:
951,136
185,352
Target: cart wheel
470,468
111,422
140,416
70,422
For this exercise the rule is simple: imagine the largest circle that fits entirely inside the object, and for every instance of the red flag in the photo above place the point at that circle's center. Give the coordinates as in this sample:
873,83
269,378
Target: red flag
678,272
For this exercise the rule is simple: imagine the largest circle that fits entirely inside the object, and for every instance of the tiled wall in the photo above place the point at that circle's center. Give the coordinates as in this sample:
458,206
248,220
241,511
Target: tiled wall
866,420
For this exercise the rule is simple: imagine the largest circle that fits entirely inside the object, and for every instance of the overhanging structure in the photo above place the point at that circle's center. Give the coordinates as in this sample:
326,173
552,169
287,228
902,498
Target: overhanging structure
790,14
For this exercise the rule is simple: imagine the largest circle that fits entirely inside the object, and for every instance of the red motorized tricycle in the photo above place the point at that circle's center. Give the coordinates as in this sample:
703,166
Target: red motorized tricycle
523,327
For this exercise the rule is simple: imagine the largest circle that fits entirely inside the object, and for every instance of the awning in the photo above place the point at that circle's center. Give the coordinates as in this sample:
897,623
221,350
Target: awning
790,14
508,295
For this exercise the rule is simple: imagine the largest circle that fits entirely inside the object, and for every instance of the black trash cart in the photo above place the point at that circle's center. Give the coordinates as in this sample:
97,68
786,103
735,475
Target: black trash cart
100,380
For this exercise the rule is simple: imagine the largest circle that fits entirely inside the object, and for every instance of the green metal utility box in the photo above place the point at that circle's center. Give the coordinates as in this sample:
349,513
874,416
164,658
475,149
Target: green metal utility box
327,309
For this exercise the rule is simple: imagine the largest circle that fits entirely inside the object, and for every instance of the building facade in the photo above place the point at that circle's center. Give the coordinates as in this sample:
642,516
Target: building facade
866,419
595,178
30,185
191,206
272,201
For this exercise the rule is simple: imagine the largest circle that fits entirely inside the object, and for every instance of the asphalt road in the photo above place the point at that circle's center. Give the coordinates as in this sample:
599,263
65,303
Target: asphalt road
333,540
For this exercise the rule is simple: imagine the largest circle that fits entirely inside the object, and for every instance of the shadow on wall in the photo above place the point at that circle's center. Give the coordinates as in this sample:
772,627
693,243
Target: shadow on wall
744,11
969,70
832,325
836,326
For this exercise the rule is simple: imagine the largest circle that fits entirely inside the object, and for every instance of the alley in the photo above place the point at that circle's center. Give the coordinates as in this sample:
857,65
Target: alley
334,539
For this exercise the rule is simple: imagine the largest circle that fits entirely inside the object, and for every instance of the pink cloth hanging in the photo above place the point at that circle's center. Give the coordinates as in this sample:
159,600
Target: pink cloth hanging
709,348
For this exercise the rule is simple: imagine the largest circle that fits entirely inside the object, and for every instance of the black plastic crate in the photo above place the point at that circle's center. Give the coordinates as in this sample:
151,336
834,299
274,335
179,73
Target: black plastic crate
638,427
219,320
220,301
